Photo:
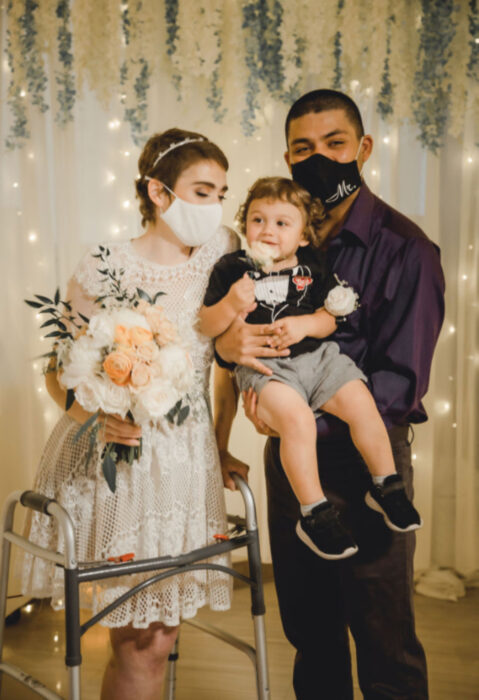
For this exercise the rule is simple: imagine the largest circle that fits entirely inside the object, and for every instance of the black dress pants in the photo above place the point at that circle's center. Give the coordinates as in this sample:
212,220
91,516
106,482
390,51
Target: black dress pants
369,593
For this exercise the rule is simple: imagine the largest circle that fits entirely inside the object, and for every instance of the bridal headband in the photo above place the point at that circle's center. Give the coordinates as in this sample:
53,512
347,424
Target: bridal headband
176,145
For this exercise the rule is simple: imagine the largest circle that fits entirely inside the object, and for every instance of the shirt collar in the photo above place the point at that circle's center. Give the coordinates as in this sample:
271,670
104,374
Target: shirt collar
359,219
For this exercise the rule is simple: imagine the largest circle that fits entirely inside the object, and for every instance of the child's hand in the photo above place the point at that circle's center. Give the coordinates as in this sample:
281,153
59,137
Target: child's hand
241,294
291,330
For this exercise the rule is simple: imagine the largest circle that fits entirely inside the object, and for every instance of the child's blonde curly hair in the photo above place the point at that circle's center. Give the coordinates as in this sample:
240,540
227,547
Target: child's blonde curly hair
288,191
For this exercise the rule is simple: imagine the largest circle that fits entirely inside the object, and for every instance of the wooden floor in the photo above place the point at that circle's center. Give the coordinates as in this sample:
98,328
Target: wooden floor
210,670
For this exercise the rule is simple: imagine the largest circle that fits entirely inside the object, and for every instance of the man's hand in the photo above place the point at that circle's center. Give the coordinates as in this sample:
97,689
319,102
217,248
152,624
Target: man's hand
231,464
250,403
244,342
289,330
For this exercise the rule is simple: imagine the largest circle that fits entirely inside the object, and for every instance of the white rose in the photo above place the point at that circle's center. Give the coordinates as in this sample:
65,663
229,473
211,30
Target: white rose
84,361
101,329
174,365
155,401
100,393
341,300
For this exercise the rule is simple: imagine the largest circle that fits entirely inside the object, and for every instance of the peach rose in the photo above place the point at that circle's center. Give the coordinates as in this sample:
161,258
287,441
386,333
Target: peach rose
139,335
118,367
140,375
165,333
146,352
155,317
122,335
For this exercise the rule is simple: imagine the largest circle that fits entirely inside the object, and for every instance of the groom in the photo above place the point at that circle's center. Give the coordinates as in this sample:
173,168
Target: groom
396,270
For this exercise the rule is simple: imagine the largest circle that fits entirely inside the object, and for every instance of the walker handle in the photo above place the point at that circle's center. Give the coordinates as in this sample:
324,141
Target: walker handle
36,501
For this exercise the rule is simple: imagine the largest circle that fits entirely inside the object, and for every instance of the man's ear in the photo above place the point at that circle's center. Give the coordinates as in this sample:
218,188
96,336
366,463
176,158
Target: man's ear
286,157
366,148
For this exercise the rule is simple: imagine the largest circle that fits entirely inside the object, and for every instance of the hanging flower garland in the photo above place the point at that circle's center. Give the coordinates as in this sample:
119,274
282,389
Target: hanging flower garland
386,94
16,92
459,57
214,96
65,78
136,69
420,58
293,45
32,57
431,95
172,32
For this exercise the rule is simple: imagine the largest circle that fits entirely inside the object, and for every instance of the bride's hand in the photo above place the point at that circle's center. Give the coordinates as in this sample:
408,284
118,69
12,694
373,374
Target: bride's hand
231,464
114,428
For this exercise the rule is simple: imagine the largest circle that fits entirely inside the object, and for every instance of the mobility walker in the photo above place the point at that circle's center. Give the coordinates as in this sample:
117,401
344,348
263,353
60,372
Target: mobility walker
243,534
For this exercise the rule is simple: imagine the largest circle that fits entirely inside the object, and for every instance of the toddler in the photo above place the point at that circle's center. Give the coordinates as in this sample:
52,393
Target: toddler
282,279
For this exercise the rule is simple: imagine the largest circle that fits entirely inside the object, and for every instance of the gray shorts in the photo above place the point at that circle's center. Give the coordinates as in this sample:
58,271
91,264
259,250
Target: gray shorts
316,375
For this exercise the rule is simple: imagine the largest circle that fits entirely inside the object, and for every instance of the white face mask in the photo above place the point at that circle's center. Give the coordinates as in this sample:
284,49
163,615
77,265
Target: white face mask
193,224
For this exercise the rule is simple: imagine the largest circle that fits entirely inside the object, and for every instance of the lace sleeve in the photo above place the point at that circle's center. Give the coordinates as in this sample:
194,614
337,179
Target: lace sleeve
86,274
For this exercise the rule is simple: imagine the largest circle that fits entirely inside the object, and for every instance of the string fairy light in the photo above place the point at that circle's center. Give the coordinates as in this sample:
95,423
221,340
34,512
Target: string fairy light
32,236
386,139
114,124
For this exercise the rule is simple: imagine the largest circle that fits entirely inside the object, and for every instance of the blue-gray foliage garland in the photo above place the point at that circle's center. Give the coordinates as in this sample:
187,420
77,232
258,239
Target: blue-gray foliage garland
432,86
262,22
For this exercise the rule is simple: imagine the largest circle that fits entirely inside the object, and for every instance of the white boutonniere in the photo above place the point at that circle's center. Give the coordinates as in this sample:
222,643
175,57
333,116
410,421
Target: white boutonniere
341,300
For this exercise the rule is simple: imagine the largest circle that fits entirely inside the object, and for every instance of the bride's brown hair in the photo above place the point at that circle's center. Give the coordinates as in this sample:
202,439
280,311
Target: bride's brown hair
168,169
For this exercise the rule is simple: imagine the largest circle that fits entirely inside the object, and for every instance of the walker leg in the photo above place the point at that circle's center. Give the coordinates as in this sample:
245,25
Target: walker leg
170,681
7,526
262,679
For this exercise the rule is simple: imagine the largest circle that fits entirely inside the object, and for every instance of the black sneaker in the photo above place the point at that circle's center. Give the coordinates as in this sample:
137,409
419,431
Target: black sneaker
323,532
390,499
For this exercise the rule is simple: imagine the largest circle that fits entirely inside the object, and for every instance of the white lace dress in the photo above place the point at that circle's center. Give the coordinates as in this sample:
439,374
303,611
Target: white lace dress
168,502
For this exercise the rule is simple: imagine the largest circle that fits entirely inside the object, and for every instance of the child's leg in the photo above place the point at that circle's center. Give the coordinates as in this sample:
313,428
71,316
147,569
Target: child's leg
354,404
319,527
284,410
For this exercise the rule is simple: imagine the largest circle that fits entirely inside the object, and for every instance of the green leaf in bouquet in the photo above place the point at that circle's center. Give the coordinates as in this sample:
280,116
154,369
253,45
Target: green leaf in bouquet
84,318
70,399
50,322
183,415
144,295
158,294
67,305
54,334
104,272
49,310
57,296
87,424
173,411
45,300
34,304
109,471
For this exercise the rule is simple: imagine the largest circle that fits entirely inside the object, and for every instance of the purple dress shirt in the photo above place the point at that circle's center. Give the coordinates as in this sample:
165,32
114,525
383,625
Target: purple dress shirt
397,273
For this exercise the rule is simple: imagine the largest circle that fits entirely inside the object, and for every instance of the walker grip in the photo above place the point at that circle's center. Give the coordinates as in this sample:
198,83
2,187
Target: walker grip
36,501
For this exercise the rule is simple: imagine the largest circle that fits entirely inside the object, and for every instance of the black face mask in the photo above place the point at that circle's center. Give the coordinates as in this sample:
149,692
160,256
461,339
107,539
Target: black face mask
327,179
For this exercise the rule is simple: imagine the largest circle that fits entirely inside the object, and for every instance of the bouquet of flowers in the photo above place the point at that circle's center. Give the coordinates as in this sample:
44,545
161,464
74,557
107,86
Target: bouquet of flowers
127,359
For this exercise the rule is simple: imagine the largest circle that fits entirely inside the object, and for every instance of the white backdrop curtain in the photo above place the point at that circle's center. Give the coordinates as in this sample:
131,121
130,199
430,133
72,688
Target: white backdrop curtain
70,187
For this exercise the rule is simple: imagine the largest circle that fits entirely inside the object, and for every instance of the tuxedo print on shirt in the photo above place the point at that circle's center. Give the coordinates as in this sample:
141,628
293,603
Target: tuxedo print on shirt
278,290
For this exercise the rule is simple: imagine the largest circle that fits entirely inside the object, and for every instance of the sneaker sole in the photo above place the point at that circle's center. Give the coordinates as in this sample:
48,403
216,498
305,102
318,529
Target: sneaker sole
309,543
374,505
